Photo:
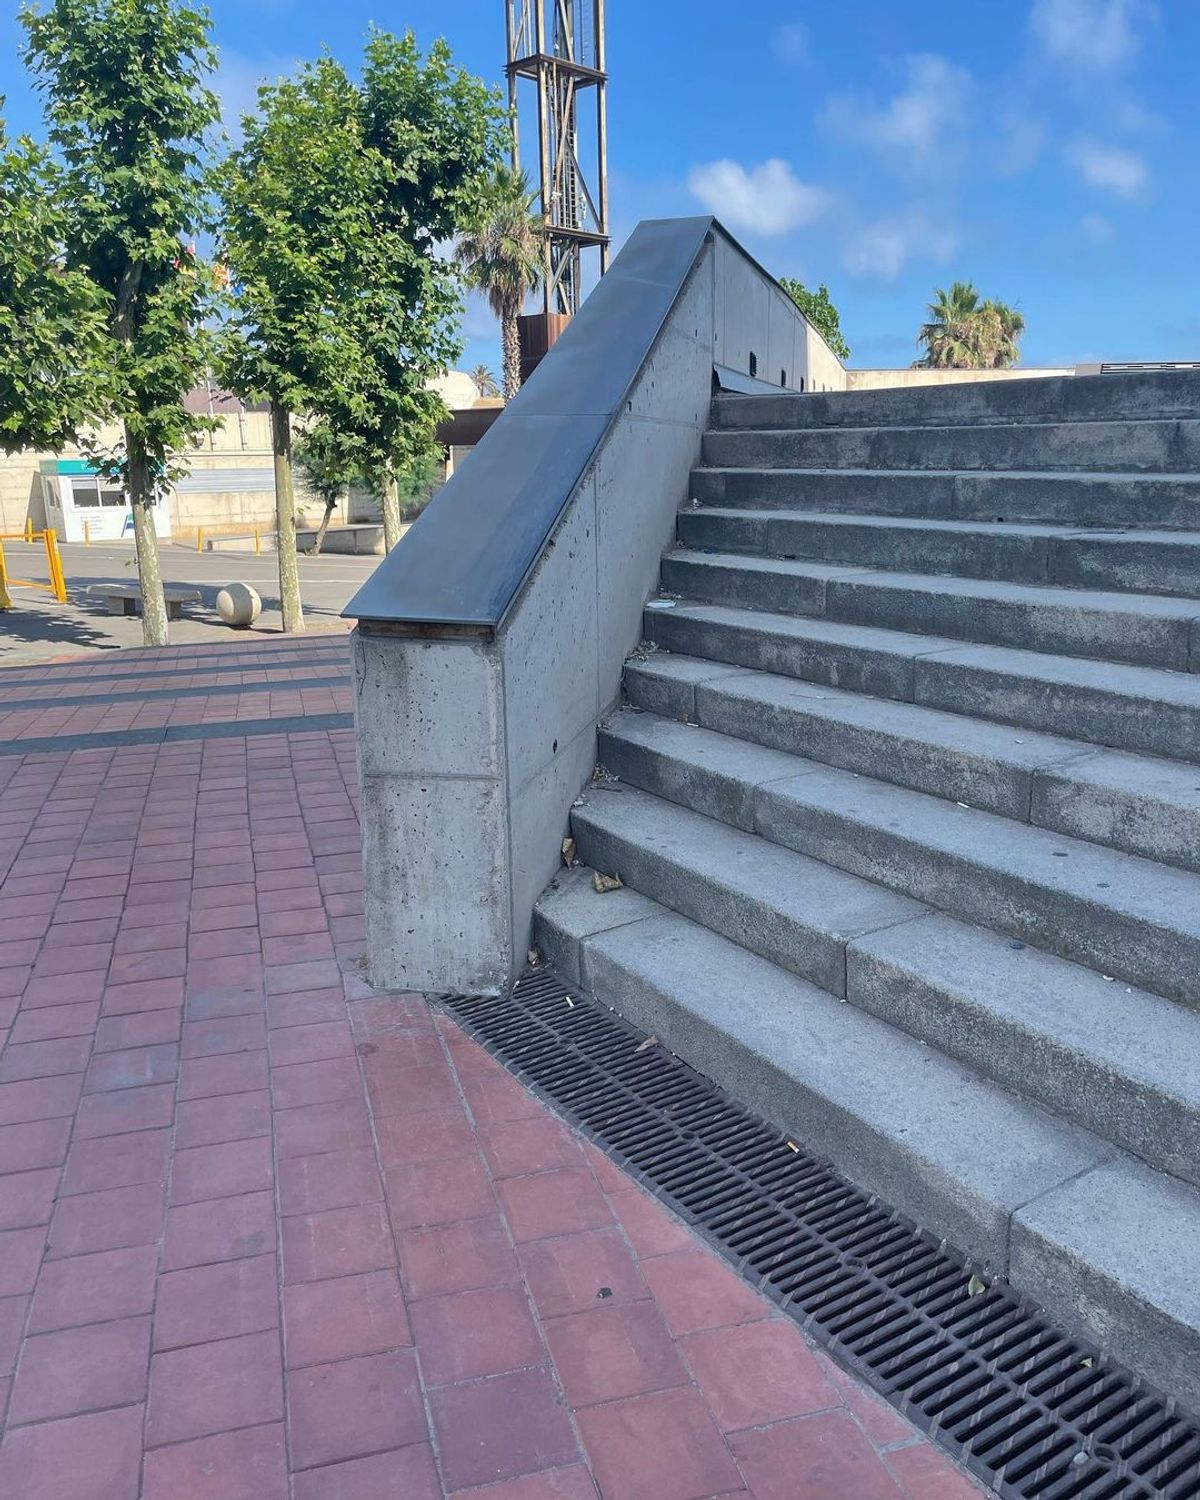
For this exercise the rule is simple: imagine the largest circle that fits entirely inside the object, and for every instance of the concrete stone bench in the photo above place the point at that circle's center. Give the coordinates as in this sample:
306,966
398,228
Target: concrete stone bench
126,598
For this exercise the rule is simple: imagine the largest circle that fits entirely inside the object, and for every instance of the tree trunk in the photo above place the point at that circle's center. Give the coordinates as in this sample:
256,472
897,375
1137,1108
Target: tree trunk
145,541
390,502
323,527
511,341
285,521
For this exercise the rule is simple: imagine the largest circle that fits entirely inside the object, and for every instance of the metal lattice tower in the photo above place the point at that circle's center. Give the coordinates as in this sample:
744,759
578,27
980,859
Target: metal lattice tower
559,46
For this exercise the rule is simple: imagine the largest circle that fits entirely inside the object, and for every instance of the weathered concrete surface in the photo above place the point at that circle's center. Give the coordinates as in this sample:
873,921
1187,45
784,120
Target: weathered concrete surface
959,1154
892,669
1148,445
793,911
1120,1061
1115,1251
1123,397
1144,630
1072,498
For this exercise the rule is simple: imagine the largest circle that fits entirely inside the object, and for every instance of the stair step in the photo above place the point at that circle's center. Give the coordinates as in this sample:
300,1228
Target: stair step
1103,1242
1154,445
1124,916
1145,629
1073,499
1115,1252
1118,1060
1168,393
1131,708
1143,709
1140,804
865,660
1143,562
795,911
941,1144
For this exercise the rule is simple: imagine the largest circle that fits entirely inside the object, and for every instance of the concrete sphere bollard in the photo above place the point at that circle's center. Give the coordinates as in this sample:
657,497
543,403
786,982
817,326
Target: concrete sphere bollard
239,605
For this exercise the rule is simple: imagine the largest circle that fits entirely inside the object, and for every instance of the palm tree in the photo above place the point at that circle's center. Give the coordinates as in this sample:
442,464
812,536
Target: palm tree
951,336
485,381
1011,327
965,333
502,255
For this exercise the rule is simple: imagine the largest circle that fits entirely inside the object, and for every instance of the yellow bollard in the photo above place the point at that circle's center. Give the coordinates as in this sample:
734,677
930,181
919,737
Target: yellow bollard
58,584
199,539
87,533
5,601
29,528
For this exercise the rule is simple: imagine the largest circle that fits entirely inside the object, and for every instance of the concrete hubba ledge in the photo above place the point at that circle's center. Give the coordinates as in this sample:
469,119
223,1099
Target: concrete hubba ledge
492,642
362,539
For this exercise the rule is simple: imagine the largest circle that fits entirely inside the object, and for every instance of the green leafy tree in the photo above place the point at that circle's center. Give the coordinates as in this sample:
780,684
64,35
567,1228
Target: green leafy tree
129,110
328,465
502,252
53,318
417,481
964,332
334,208
296,205
820,312
436,133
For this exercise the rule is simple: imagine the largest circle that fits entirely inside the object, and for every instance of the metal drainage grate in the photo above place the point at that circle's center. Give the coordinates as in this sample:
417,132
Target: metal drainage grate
1032,1412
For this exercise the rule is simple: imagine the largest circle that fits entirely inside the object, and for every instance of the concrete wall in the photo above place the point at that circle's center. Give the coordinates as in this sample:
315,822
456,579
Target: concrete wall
230,484
474,745
876,380
242,442
825,370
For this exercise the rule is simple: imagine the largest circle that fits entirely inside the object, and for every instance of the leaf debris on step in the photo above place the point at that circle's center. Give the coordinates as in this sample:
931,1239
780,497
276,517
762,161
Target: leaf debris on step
975,1286
644,1046
602,884
568,852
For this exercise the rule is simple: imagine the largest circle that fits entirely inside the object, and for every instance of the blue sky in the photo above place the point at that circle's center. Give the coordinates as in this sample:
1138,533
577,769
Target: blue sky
1045,149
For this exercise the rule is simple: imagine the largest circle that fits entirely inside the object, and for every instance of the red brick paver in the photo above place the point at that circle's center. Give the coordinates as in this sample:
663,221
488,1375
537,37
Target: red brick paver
267,1235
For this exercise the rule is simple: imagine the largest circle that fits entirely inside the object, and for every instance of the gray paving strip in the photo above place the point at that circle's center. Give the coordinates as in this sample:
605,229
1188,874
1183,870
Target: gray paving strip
154,695
21,676
227,729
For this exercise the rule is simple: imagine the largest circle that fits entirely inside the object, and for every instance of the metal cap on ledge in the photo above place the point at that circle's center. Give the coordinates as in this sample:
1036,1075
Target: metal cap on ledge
467,556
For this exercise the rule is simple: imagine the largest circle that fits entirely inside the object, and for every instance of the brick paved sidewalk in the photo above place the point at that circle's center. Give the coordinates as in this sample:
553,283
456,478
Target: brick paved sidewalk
265,1233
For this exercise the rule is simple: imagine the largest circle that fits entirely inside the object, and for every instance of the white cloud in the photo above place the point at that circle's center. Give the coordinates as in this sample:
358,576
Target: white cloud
768,199
884,248
1090,36
790,44
1110,168
1097,230
920,123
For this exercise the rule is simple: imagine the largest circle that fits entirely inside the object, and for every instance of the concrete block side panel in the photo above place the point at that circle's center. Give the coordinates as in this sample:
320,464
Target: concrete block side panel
429,718
427,707
436,854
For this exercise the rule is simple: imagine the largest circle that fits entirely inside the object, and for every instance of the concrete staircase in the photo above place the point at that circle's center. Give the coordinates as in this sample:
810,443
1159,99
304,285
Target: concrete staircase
907,816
